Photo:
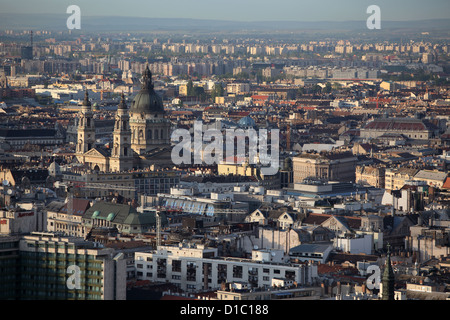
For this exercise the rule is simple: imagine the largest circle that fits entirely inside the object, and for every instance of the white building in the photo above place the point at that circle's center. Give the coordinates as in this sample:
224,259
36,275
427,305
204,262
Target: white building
362,244
194,267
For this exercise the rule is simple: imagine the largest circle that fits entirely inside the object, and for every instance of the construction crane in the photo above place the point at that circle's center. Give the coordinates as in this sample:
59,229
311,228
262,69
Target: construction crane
158,229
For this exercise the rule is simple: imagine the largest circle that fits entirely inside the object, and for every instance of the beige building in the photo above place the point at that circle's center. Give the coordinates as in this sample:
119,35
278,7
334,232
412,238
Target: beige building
395,178
433,178
141,134
330,166
373,176
66,217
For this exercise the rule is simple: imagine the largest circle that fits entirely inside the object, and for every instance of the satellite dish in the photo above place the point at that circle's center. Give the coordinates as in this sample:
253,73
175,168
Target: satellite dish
9,191
255,247
5,182
273,254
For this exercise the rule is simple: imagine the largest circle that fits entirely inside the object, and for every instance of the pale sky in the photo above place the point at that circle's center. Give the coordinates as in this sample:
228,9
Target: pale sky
241,10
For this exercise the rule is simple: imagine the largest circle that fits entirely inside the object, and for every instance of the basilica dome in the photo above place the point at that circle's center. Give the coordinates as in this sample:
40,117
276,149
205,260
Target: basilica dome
147,101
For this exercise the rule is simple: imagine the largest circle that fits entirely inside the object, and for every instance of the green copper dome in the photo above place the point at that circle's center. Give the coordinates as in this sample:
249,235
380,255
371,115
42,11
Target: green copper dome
147,100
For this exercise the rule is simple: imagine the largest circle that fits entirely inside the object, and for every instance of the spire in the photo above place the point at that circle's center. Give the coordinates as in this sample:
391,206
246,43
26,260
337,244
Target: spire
388,279
147,79
122,104
86,101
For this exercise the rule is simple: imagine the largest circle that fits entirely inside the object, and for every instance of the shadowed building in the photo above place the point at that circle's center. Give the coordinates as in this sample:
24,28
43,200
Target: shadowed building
388,279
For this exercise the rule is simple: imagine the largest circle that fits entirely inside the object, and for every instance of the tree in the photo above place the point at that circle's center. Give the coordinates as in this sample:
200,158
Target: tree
217,91
327,88
190,88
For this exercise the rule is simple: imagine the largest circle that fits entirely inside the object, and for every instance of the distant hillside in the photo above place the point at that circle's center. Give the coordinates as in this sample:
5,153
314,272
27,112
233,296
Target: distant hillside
102,24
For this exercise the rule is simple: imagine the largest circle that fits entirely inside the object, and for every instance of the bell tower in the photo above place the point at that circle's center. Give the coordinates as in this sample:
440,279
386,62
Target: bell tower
121,154
86,127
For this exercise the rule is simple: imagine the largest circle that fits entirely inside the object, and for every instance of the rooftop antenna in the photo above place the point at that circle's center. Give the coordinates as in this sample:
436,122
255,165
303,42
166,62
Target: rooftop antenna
70,208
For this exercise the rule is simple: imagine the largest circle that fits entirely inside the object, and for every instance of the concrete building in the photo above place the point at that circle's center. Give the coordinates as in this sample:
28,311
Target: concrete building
47,266
195,267
318,252
21,220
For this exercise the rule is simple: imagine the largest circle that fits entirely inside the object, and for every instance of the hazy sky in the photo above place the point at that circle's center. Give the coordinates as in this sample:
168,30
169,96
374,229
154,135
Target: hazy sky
240,10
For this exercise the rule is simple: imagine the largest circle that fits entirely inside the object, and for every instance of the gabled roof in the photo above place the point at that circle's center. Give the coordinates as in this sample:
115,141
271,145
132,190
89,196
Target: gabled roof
316,219
79,207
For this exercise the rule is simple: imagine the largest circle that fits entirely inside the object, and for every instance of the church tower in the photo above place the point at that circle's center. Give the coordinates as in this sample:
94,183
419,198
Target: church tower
149,127
121,154
86,127
388,279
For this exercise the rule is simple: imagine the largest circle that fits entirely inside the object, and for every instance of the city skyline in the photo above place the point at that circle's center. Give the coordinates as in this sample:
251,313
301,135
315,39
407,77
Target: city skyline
224,151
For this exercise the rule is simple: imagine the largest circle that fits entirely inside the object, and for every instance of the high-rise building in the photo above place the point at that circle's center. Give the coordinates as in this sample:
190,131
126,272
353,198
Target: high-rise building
43,266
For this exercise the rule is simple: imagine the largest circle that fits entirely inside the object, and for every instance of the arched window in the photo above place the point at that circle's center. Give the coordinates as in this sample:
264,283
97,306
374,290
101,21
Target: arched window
150,134
162,134
156,134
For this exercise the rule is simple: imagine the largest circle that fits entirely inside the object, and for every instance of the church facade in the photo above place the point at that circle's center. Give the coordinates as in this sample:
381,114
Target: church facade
141,136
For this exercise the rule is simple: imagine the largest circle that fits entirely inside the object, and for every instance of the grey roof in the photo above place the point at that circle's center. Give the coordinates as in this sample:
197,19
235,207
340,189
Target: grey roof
103,209
121,214
311,247
432,175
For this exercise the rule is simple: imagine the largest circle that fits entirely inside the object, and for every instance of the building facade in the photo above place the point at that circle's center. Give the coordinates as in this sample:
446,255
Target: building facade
328,166
43,266
195,267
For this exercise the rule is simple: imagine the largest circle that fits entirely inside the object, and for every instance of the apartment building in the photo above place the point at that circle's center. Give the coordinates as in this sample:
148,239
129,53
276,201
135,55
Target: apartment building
43,266
195,267
66,217
395,178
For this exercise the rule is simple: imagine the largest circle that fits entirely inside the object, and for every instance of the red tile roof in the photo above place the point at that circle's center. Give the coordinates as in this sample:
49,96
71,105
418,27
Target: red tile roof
396,125
446,184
